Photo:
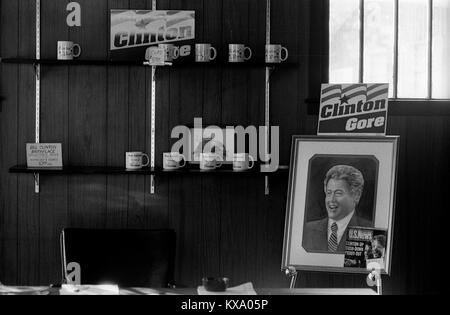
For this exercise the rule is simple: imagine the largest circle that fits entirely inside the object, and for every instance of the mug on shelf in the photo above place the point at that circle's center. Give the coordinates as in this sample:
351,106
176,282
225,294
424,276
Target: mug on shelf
173,161
274,53
172,52
236,53
155,56
205,53
243,162
209,161
66,50
135,160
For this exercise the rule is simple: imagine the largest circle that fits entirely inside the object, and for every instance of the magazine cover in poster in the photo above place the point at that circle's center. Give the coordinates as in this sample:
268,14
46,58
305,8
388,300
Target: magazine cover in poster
133,31
365,246
353,109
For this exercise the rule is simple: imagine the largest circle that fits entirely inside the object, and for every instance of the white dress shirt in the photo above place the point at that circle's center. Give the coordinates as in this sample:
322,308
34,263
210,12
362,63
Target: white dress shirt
342,226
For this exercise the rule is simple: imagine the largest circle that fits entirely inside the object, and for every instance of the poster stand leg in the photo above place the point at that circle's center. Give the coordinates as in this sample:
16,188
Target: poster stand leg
292,273
374,279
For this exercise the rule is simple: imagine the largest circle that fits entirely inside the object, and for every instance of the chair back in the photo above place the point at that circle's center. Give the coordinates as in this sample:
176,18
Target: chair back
129,258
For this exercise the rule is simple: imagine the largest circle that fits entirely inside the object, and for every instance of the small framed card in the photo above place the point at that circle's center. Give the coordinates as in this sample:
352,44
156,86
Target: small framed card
44,155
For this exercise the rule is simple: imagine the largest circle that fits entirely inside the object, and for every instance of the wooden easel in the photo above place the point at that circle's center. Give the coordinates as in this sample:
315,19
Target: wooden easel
373,279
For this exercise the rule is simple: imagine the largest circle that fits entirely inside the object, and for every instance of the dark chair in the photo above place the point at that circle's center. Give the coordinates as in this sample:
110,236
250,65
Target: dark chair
129,258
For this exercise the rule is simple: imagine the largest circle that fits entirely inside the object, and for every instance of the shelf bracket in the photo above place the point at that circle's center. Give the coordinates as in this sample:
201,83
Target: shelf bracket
153,129
37,69
269,71
36,182
153,121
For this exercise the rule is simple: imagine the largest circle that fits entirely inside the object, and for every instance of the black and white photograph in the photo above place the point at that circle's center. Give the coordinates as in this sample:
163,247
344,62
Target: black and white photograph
193,150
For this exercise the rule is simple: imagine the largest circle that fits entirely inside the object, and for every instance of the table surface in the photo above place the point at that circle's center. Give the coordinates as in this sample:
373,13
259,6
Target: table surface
193,291
260,291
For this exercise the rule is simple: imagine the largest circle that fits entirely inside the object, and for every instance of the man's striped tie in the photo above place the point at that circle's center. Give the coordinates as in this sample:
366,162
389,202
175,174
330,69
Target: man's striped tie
332,241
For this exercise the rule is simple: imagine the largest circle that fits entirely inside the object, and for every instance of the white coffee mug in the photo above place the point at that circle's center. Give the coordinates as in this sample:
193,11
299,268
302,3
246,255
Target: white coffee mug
274,53
173,161
66,50
243,162
135,160
155,56
209,161
205,53
172,51
236,53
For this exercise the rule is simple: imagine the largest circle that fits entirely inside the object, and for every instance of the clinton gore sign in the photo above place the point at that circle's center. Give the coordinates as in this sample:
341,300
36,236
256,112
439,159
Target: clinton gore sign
133,31
353,109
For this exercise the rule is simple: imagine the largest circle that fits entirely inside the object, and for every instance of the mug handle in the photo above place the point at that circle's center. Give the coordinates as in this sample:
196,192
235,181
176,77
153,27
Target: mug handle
176,53
148,160
184,161
252,162
214,51
79,51
287,53
219,164
250,53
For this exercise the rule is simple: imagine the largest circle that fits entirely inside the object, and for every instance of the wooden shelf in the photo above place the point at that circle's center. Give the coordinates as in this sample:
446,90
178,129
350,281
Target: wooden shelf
101,170
77,62
80,62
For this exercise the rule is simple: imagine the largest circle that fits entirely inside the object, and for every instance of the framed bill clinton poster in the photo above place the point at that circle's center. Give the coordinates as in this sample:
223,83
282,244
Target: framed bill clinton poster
340,206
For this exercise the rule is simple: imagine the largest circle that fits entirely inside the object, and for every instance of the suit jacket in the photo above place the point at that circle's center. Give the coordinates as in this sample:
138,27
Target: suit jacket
315,234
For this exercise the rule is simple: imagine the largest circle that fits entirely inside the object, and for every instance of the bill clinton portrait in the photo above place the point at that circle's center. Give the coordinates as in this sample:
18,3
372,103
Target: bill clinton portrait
338,205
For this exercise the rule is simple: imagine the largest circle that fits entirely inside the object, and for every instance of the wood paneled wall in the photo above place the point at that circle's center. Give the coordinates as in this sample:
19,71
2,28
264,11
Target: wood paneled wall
224,226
